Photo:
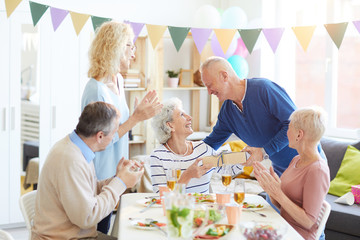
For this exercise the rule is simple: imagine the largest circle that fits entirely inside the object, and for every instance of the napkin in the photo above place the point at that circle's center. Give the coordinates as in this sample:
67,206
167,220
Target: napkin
347,199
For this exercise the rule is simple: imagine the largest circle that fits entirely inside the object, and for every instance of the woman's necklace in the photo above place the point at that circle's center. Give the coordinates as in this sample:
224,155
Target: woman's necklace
182,155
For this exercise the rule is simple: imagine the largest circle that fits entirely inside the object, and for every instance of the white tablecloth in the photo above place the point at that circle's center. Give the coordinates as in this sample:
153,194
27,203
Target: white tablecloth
129,208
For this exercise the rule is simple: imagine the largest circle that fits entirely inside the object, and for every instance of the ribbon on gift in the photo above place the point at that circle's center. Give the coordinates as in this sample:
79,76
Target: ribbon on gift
225,157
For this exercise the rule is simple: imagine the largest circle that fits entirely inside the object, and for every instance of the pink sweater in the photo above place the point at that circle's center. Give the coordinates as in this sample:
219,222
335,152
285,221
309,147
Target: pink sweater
70,201
306,187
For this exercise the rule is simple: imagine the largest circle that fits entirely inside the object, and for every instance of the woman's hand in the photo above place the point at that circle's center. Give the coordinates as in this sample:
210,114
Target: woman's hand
148,107
268,180
194,171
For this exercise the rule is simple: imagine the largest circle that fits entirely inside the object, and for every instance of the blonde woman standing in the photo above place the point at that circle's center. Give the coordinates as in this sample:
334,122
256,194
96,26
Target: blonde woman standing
110,53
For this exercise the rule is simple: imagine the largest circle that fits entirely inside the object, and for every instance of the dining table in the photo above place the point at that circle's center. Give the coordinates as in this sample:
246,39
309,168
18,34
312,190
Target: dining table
131,205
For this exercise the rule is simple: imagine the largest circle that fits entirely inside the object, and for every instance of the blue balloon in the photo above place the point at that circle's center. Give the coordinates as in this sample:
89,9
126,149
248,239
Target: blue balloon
240,66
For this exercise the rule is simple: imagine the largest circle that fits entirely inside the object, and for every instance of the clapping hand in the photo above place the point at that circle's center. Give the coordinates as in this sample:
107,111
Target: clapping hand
125,170
267,179
148,107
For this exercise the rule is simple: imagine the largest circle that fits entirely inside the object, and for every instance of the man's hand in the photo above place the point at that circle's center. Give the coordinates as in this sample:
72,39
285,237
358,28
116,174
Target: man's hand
256,155
148,107
129,171
268,180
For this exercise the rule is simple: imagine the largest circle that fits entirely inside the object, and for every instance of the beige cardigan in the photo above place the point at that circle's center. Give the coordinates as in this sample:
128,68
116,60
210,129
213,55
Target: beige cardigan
70,201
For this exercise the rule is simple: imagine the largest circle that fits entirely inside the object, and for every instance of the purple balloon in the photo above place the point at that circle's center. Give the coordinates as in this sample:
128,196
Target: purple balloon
217,50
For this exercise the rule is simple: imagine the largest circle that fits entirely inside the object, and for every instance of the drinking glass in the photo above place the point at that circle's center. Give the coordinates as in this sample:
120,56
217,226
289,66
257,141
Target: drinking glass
226,176
239,191
171,178
179,215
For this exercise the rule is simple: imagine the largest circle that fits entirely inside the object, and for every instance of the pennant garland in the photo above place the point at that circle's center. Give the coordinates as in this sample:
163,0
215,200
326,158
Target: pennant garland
178,35
155,33
37,11
97,21
11,5
79,21
304,35
200,37
250,36
336,32
357,25
57,16
273,36
225,37
137,27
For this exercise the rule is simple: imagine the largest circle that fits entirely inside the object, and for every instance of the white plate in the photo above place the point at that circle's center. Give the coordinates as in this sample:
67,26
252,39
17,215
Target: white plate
145,202
254,209
134,223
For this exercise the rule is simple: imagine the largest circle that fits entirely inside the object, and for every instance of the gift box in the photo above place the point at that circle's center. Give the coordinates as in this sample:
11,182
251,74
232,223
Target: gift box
229,158
355,189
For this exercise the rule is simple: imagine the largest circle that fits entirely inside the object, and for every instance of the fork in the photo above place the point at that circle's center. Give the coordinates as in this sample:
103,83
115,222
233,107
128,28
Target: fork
261,214
150,220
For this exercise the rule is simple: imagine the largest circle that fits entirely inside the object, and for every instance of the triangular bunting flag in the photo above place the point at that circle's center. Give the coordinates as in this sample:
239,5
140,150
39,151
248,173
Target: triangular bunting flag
178,35
97,21
273,36
57,16
304,35
11,5
336,32
79,21
225,37
250,36
357,25
200,37
137,27
155,33
37,11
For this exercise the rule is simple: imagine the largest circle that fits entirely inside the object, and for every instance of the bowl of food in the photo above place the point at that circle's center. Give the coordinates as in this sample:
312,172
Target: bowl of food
215,231
262,230
211,214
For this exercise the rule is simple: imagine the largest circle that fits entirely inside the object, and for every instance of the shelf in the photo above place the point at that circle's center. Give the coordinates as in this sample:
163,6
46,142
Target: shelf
141,141
134,89
183,88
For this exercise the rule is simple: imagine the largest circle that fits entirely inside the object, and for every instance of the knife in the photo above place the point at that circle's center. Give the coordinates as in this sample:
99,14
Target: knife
147,207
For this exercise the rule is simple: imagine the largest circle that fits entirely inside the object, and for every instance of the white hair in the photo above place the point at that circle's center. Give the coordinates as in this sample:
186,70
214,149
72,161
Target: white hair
161,129
312,120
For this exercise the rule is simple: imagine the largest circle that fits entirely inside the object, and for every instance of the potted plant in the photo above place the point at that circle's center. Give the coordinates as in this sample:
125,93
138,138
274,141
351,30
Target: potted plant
173,78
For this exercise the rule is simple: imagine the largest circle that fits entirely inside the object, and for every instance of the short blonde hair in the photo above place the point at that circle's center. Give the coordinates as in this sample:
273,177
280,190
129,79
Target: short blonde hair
161,129
108,48
312,120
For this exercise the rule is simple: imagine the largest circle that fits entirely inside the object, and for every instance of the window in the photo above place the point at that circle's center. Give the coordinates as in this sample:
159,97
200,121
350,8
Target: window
324,75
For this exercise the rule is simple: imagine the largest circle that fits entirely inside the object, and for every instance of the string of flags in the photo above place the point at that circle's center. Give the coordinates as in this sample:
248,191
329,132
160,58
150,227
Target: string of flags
200,36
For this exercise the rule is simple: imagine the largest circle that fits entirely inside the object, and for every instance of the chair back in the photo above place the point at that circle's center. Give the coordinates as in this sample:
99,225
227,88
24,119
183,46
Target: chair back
5,235
323,217
27,206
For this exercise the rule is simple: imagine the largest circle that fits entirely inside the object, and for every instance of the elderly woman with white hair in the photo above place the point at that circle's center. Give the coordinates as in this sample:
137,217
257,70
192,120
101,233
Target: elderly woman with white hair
302,188
172,126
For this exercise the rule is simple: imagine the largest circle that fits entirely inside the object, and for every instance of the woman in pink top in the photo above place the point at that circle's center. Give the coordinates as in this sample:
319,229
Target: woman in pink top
302,188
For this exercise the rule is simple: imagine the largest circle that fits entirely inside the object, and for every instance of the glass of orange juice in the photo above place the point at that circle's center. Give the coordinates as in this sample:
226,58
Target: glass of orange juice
239,191
226,176
171,178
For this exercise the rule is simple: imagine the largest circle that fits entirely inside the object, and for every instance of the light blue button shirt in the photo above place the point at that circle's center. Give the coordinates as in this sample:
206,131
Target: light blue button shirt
85,150
106,161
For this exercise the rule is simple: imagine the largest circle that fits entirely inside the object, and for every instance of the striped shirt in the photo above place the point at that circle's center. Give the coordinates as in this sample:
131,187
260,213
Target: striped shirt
162,159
